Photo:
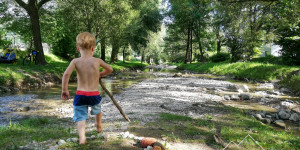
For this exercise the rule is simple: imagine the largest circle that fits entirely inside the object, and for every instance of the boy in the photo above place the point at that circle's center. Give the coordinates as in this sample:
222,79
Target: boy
87,94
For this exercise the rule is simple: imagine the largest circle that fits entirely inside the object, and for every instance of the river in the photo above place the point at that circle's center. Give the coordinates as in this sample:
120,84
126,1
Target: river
195,88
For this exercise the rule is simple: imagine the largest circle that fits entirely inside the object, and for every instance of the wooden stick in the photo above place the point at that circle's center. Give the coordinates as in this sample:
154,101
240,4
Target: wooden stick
113,99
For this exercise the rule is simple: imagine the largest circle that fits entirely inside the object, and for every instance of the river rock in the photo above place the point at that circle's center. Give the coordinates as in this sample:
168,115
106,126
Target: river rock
275,116
244,88
130,136
226,97
266,86
284,114
295,117
263,114
232,87
258,117
234,97
280,123
296,109
267,120
284,90
245,96
149,148
124,134
61,142
177,75
53,147
288,105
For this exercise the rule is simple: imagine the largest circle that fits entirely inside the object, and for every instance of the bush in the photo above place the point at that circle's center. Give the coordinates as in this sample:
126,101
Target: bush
268,59
219,57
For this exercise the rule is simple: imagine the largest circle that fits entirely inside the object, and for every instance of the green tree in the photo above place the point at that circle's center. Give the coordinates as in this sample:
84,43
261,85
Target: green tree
32,8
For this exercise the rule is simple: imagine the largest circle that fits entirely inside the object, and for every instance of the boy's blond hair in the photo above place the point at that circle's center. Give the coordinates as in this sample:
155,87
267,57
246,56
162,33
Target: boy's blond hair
85,40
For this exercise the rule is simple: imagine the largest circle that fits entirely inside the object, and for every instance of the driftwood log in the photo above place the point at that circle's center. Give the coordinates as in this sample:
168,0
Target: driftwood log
113,100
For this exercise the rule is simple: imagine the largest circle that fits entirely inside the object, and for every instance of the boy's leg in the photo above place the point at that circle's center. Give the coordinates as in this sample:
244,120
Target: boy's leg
98,119
81,131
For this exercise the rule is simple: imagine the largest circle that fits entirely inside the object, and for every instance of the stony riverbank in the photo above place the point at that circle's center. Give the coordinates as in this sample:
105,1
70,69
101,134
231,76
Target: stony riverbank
182,94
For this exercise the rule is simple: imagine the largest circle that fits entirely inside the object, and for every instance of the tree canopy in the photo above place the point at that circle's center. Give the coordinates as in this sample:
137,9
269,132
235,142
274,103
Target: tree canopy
195,29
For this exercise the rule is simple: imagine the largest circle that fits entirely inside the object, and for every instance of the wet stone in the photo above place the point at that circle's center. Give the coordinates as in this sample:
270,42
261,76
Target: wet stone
295,117
245,96
226,97
258,116
234,97
284,115
280,123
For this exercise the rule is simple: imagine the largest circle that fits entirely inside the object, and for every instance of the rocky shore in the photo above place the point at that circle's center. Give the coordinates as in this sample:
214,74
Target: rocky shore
182,94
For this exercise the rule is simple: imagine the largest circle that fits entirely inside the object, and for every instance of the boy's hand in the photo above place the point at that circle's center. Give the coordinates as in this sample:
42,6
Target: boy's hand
65,95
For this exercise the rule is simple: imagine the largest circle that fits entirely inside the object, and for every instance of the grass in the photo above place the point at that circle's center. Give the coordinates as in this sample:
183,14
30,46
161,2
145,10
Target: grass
235,124
37,129
17,75
254,71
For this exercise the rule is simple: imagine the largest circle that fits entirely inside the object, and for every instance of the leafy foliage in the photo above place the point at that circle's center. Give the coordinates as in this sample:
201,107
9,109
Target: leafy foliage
218,57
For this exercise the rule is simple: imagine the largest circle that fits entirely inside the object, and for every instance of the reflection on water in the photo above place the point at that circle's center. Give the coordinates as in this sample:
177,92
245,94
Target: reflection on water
114,84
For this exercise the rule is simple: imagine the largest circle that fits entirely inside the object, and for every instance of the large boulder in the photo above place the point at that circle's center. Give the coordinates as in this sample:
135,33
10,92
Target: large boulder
284,114
295,117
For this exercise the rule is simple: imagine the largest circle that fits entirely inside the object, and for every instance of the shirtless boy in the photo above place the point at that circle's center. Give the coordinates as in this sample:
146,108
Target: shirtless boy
87,94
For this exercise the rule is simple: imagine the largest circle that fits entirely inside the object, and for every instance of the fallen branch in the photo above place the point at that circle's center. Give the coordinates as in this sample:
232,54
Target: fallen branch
114,101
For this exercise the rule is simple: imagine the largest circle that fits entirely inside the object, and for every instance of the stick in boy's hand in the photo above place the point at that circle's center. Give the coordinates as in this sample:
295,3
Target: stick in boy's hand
114,101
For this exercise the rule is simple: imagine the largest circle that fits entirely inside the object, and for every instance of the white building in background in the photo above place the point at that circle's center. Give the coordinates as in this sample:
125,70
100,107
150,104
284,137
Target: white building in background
270,49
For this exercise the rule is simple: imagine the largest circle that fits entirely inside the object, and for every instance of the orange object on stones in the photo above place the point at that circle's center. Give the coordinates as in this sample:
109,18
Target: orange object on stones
156,148
147,142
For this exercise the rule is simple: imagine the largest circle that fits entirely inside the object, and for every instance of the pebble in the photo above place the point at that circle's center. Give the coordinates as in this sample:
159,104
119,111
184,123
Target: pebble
130,136
124,134
61,142
149,148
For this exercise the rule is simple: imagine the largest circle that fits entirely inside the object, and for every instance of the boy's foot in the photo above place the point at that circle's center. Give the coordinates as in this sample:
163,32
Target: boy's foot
82,141
99,127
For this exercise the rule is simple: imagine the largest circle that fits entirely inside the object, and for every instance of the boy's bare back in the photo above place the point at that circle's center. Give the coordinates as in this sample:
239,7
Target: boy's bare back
87,73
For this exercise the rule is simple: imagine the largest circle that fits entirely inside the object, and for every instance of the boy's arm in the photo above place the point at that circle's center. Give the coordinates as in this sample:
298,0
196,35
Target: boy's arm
107,68
65,80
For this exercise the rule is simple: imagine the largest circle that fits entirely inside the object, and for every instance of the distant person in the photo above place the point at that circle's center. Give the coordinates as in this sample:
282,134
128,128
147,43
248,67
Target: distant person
88,75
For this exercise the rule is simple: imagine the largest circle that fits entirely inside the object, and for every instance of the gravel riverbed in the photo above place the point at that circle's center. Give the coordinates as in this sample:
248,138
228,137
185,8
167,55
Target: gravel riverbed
183,94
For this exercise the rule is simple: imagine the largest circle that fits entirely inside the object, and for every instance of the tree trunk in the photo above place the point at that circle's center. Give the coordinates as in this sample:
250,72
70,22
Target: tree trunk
124,54
187,46
191,40
143,56
36,31
114,52
200,45
103,46
218,41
